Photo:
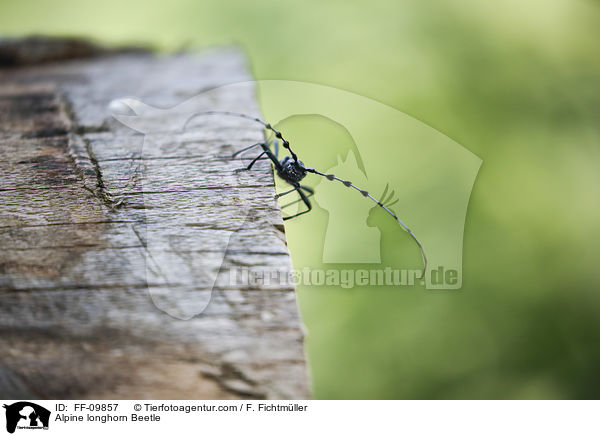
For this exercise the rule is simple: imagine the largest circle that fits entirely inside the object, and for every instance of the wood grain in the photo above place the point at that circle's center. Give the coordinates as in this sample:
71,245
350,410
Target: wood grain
111,241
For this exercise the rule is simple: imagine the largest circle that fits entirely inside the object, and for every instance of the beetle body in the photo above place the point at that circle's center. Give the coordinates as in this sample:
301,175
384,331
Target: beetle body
290,170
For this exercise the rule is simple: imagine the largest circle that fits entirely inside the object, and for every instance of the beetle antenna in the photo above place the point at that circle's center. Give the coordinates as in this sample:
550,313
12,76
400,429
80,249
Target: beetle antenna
381,204
268,126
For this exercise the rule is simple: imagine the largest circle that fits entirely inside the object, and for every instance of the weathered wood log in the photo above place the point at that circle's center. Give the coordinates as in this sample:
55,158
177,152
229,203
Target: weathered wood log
111,244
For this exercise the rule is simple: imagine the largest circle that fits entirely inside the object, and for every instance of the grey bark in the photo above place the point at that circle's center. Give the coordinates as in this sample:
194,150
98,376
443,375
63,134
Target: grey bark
104,233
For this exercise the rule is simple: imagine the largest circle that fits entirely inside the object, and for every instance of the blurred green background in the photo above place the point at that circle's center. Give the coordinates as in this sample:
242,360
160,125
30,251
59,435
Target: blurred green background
518,84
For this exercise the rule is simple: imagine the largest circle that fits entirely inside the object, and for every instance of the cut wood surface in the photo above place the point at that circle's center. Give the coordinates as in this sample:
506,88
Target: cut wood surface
116,247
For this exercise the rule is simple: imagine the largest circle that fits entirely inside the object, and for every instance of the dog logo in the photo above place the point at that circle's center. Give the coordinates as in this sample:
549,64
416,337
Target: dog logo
26,415
430,178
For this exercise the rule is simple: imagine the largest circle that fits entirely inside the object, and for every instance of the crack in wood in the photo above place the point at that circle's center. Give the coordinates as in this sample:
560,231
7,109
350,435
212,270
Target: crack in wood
74,278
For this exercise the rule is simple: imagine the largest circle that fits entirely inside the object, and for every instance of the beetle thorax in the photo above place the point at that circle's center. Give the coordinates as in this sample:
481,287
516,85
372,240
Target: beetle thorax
291,170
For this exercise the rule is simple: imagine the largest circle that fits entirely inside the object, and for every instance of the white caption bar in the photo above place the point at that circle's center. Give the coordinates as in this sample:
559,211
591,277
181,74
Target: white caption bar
301,417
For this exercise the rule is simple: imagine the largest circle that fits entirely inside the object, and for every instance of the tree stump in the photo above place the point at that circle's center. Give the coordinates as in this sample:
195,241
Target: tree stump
108,240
